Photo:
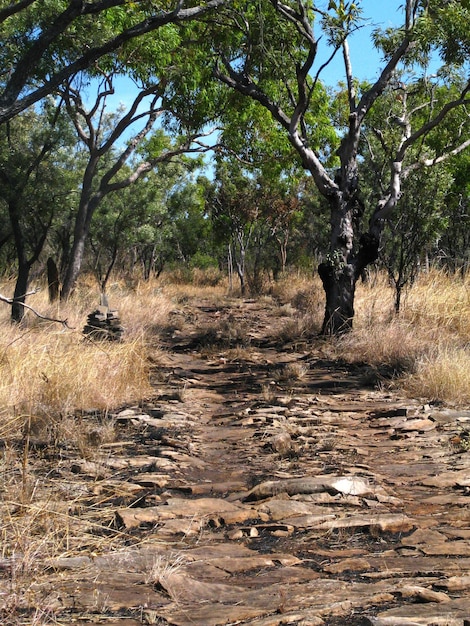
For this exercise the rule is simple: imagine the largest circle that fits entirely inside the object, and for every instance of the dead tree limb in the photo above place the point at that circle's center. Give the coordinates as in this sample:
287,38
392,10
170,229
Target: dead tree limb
30,308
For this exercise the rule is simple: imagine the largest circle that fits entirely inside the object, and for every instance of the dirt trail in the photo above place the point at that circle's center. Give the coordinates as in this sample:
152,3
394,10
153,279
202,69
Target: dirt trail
265,485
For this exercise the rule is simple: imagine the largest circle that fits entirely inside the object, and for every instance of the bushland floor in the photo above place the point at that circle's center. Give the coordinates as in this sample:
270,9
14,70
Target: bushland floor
262,484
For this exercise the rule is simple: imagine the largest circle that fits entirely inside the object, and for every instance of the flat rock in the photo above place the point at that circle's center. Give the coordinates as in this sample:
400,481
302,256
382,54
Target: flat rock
424,536
389,523
449,479
348,565
199,509
423,594
452,613
449,548
455,583
348,485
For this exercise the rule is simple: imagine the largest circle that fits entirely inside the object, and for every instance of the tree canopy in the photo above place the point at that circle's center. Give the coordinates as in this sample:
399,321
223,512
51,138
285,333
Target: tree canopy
45,42
269,54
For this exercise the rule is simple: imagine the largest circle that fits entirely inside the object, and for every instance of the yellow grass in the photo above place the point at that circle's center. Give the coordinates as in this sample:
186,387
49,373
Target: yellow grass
48,369
59,373
444,376
429,340
441,302
426,346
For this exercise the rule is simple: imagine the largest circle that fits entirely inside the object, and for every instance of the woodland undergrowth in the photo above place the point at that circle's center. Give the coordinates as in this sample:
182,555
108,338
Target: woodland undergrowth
50,369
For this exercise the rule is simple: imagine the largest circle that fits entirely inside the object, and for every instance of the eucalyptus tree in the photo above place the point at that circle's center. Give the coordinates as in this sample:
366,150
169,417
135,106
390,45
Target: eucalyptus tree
44,43
34,181
233,211
253,215
411,235
110,166
192,239
270,52
454,244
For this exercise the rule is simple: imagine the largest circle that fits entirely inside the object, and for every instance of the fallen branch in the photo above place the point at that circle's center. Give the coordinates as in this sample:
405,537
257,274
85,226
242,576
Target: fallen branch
30,308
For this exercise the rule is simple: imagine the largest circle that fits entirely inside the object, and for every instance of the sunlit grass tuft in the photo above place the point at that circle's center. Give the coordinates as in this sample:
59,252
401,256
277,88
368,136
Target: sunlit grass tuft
394,345
443,375
441,301
426,345
48,369
58,373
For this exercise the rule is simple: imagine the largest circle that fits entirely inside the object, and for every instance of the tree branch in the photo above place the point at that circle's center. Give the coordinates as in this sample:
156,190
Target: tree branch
371,95
436,160
310,160
14,7
436,120
11,301
11,105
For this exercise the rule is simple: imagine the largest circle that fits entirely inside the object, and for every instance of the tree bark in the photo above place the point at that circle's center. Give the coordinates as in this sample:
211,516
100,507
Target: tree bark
24,263
344,264
19,296
339,285
81,230
53,282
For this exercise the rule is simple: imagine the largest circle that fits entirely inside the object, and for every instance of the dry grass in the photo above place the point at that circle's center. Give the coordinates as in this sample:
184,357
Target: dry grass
425,348
57,373
443,376
442,303
428,342
49,370
301,304
294,287
292,372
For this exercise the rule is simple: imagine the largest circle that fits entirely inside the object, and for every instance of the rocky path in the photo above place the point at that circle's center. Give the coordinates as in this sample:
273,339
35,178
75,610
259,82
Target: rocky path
267,486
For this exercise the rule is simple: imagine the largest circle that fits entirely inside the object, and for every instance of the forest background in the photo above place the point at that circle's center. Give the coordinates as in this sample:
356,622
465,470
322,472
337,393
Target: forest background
102,188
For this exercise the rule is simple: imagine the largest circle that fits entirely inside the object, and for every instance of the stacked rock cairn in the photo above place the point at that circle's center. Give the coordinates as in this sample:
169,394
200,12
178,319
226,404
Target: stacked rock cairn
103,324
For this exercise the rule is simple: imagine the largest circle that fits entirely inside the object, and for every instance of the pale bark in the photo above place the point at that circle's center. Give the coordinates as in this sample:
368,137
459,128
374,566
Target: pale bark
96,185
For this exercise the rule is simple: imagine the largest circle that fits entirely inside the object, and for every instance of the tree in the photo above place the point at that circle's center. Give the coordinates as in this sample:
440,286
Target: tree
233,211
192,234
268,53
33,180
254,215
45,43
138,221
454,245
420,221
421,217
109,159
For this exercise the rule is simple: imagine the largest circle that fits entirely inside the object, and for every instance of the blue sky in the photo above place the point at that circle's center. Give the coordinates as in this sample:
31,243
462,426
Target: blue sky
366,60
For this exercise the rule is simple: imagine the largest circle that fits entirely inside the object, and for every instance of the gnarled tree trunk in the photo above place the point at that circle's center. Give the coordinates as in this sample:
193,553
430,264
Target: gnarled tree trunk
346,261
